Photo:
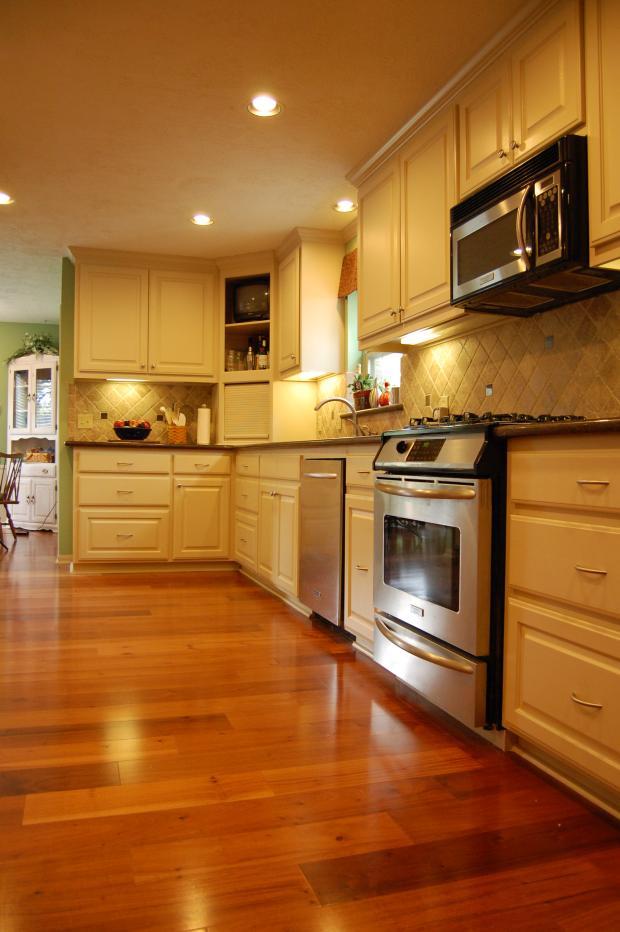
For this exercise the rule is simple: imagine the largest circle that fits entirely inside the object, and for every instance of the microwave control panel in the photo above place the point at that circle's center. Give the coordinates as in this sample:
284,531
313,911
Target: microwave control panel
548,218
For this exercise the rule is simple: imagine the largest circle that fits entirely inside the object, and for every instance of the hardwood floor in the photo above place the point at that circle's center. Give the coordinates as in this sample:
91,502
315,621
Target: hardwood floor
183,752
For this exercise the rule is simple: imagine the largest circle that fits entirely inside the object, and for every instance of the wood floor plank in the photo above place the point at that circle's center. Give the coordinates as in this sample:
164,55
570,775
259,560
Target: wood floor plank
187,753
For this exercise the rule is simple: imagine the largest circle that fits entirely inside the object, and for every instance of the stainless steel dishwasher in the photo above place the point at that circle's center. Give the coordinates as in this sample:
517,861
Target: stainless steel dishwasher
321,537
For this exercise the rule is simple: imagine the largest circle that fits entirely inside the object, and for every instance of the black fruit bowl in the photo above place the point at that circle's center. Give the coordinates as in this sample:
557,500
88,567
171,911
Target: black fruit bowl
132,433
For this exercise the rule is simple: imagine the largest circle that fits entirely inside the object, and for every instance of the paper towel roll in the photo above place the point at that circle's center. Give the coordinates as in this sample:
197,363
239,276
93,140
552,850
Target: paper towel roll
203,429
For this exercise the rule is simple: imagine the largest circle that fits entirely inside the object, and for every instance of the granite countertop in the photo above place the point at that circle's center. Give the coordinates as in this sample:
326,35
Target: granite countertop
598,426
283,444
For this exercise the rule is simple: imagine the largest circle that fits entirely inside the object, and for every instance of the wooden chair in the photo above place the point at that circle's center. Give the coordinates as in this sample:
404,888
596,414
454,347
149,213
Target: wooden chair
10,474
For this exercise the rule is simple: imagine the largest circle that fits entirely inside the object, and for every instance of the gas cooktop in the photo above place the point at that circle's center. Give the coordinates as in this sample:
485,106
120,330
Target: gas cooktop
489,418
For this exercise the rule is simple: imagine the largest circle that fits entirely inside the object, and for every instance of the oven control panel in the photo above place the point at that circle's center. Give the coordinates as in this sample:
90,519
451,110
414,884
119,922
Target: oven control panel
447,451
425,451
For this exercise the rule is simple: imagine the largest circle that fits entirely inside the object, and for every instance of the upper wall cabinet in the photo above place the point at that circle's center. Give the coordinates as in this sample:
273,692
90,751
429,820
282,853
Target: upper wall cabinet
404,240
528,98
603,81
144,321
310,324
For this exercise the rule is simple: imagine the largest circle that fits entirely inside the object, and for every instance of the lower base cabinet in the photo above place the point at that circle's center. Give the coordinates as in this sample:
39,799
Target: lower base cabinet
37,504
125,536
278,534
358,594
201,509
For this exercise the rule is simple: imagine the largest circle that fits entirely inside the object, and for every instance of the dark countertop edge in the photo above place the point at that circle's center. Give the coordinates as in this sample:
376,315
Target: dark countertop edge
281,444
600,426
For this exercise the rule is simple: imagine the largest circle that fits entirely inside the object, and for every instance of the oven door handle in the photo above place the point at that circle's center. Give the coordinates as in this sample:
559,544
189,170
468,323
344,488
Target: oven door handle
458,666
457,492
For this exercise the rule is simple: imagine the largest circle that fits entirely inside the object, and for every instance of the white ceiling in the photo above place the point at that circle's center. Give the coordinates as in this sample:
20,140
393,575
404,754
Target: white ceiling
122,118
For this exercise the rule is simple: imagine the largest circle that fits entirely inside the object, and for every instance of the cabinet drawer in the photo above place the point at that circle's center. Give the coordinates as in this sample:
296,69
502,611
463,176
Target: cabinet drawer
549,680
246,539
123,461
247,464
360,472
199,464
126,491
39,469
585,561
246,493
112,534
280,466
589,479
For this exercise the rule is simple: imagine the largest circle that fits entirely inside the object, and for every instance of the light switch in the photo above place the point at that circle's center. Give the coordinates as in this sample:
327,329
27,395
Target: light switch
85,421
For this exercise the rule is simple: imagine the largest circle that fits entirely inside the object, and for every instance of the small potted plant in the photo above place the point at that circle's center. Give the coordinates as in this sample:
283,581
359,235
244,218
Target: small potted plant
362,385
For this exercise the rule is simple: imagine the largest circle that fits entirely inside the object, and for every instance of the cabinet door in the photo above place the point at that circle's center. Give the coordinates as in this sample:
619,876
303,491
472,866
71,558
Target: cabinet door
289,279
246,539
266,530
22,511
19,399
547,84
201,519
118,534
379,252
428,186
484,115
286,539
111,319
603,80
44,501
182,338
358,608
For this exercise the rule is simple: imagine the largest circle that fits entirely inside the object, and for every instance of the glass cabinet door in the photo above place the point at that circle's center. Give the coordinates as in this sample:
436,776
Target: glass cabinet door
43,399
21,399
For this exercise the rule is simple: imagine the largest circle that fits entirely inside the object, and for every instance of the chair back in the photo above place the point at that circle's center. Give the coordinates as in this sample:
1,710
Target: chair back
10,474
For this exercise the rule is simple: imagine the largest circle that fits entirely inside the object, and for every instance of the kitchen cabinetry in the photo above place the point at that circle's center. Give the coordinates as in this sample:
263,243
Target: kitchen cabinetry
404,237
602,81
562,658
310,323
136,320
359,551
278,521
32,425
529,97
137,505
245,549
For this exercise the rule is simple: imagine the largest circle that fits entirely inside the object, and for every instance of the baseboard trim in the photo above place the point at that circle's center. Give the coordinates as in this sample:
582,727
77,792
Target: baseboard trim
101,569
286,597
64,559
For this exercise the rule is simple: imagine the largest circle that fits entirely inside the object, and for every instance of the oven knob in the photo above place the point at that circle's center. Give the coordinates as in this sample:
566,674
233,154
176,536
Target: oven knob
402,446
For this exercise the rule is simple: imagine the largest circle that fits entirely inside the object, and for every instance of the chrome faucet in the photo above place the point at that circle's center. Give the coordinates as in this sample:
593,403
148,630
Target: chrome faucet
359,431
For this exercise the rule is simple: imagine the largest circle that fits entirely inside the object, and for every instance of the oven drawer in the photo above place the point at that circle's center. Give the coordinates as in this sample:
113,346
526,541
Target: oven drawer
450,681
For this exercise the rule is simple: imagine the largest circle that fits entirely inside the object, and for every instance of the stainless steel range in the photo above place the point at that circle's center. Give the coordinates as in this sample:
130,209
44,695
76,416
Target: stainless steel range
439,561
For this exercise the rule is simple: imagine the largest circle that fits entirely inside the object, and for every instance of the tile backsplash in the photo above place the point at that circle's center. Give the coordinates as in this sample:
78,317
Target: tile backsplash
565,361
133,400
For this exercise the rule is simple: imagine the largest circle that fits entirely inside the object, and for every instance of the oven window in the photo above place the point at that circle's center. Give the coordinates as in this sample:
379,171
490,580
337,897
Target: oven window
487,249
422,559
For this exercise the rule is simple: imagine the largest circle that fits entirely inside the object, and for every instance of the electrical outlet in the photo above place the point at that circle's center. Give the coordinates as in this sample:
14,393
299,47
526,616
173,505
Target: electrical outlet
85,421
488,389
427,401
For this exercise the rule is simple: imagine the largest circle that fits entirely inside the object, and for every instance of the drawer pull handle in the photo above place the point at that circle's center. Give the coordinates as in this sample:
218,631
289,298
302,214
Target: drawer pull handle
201,465
363,472
124,491
243,540
593,482
588,569
244,495
363,569
124,535
124,464
589,705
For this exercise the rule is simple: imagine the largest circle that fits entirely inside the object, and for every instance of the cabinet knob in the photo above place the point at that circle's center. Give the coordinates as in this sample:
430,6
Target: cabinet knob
393,313
293,357
501,153
152,365
143,365
515,145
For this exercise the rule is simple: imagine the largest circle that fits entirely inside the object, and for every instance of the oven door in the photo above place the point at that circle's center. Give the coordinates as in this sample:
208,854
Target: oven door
432,557
493,246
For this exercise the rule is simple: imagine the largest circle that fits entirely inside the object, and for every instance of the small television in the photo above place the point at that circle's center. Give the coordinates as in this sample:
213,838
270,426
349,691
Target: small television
250,299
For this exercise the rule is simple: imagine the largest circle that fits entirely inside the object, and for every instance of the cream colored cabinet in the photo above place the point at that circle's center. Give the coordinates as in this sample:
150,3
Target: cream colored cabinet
529,97
201,518
37,504
404,239
245,546
562,633
182,324
111,322
144,321
602,81
358,607
310,323
278,534
379,251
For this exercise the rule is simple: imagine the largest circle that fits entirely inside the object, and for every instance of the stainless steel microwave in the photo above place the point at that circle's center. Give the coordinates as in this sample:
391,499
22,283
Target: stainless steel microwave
520,245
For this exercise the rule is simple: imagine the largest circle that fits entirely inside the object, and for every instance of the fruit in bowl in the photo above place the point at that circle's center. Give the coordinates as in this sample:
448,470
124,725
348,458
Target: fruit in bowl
132,430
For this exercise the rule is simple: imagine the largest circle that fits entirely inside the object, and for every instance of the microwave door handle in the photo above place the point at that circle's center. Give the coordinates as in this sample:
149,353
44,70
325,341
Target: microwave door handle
520,236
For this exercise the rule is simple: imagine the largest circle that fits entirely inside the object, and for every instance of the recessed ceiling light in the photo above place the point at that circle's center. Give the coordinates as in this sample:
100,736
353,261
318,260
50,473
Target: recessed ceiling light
264,105
202,220
5,198
345,206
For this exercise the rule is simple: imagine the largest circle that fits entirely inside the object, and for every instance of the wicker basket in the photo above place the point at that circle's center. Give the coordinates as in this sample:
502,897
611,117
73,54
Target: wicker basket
177,434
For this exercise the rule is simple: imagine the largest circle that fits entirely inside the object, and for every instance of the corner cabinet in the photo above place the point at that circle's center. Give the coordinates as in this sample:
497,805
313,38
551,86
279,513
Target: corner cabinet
141,321
602,81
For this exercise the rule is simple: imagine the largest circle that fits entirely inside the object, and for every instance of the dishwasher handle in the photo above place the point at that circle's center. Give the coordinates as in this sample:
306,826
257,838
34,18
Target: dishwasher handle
321,475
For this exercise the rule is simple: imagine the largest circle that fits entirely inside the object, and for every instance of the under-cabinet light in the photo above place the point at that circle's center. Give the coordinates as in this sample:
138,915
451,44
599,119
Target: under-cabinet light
419,336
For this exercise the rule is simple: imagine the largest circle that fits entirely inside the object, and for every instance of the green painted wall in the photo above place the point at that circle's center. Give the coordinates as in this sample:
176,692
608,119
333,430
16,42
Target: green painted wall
65,377
11,338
